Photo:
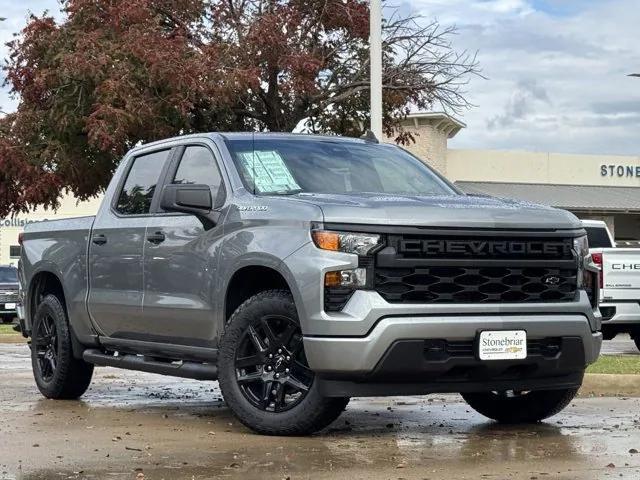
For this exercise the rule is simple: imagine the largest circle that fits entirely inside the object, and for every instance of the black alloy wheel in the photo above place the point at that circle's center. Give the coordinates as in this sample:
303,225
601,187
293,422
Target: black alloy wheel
271,368
58,374
263,371
46,346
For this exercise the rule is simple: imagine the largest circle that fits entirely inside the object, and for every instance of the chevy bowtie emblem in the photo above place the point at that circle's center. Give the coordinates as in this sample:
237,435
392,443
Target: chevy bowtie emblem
551,280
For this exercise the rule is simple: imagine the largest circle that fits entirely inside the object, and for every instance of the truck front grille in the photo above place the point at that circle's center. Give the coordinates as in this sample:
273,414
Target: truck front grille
9,297
475,285
466,269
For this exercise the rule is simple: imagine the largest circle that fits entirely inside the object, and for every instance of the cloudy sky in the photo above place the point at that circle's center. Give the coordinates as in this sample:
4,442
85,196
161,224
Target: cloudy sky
556,70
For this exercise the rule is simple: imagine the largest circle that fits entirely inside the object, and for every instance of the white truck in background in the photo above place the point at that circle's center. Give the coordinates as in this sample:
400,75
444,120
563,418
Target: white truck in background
619,282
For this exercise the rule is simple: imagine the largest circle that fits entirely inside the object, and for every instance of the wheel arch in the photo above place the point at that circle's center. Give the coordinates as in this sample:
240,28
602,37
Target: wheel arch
43,283
250,279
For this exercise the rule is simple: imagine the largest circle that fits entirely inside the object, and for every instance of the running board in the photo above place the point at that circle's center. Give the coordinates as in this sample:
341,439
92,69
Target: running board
196,371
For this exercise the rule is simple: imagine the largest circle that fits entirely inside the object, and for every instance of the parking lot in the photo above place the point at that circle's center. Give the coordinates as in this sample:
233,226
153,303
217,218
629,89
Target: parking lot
621,345
135,425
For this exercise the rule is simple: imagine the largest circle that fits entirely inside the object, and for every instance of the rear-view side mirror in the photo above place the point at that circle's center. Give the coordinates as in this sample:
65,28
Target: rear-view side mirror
187,198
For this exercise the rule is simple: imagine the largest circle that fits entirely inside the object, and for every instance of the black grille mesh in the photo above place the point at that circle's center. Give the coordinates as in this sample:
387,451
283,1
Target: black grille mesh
9,298
475,285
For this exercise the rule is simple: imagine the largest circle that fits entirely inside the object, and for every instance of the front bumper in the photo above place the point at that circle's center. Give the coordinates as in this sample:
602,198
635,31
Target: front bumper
5,312
623,313
397,357
359,356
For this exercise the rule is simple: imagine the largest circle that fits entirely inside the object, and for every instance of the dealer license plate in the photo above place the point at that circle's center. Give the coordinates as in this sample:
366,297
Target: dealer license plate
502,345
9,306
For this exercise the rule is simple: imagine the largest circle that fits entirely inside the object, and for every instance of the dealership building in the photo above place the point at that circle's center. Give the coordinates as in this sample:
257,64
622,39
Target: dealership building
597,187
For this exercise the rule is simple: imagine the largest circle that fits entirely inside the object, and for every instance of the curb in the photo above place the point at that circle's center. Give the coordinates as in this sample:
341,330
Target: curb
610,385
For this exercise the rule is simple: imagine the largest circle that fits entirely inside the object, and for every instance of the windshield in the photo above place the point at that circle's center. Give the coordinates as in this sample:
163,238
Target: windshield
289,166
8,275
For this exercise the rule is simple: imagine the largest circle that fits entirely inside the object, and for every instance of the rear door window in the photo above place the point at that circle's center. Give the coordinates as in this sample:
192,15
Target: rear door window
598,237
140,185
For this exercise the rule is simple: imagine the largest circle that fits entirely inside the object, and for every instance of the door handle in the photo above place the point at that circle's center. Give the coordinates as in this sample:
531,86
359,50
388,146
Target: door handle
156,238
99,239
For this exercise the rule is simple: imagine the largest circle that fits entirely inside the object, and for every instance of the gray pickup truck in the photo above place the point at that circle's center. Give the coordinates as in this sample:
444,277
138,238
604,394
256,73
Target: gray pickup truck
300,271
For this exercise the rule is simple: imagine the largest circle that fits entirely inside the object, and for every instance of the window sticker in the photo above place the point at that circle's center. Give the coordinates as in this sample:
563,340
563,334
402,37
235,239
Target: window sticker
268,171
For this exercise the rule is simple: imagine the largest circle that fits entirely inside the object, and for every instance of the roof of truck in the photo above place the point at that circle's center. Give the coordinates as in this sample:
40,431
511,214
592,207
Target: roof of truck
594,223
288,136
257,135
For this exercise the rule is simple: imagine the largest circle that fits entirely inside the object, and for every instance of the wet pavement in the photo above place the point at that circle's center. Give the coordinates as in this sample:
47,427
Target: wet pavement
132,425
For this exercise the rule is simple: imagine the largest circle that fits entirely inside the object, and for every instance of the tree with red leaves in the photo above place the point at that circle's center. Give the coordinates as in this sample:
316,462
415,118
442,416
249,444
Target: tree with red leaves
114,73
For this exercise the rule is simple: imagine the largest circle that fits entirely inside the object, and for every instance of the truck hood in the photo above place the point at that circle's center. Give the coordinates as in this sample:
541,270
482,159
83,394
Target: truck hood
439,211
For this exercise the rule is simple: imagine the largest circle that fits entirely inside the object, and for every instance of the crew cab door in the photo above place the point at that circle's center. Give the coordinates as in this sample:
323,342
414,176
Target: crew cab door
116,246
180,259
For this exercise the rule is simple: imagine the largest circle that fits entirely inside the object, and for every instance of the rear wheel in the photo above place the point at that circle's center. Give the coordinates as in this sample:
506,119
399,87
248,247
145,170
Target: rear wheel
263,372
57,373
520,407
636,340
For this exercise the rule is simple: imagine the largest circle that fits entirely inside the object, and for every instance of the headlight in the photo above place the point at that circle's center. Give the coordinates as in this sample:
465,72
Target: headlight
581,246
358,243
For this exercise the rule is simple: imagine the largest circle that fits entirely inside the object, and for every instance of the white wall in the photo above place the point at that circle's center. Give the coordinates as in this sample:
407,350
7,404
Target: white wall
11,226
533,167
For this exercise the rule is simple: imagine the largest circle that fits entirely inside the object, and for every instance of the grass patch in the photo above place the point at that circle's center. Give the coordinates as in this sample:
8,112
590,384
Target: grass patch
616,364
7,329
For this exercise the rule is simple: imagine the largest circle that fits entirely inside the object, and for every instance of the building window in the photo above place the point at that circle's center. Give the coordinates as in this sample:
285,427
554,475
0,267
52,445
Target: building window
14,251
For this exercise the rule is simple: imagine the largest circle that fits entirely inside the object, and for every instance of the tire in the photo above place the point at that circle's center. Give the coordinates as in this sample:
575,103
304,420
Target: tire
528,407
636,340
57,373
6,319
274,395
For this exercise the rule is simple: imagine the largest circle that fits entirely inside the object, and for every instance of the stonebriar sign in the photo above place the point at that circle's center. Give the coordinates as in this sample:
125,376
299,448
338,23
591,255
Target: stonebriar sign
620,170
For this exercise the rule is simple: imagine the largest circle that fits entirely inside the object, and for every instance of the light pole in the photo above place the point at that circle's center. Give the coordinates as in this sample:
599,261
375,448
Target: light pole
375,50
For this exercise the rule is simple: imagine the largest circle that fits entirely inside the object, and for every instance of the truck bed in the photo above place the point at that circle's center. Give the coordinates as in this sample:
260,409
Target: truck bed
621,274
60,247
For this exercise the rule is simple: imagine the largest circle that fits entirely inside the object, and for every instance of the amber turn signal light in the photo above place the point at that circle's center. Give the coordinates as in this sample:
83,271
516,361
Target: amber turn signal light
352,278
333,279
326,240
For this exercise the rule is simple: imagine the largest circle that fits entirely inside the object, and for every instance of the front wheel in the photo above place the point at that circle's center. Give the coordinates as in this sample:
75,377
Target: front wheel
57,373
263,371
520,407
